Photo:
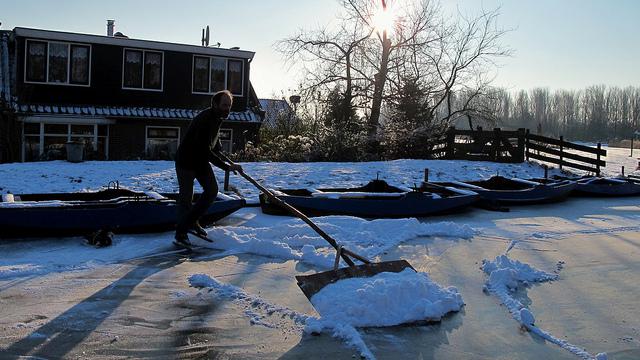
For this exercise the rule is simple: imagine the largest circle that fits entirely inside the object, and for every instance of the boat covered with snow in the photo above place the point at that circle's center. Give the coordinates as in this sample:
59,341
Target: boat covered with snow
602,186
117,210
377,199
515,191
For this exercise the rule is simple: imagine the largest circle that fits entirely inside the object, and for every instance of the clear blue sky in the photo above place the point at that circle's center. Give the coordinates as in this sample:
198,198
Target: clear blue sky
566,44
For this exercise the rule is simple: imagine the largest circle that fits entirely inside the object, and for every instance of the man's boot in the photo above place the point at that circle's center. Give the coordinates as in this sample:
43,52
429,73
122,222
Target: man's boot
182,239
199,229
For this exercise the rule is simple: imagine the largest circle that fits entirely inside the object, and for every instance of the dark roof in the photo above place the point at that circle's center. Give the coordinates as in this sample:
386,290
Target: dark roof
130,42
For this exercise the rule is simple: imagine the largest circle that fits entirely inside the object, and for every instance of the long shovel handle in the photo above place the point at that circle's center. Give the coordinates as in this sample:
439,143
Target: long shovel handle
306,219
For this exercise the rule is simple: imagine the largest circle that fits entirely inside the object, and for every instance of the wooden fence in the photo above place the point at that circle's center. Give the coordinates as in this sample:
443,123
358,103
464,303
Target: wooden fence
516,146
559,151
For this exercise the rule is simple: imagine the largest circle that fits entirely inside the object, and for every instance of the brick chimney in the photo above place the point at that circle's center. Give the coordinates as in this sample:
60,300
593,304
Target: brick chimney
110,24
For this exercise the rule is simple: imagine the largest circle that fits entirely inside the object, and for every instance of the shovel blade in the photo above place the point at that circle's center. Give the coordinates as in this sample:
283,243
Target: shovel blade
311,284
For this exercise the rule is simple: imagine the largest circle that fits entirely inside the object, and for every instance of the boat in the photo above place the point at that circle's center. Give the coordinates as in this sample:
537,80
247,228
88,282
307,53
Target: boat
514,191
602,186
377,199
81,213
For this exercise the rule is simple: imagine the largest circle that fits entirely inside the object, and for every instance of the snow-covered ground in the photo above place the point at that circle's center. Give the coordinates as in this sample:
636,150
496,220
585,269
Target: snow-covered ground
282,239
62,176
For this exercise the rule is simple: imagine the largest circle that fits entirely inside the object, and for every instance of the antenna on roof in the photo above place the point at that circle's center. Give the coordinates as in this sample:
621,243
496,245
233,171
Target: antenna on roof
205,37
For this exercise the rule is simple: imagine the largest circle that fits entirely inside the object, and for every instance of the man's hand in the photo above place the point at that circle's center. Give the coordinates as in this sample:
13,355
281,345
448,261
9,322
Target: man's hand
235,167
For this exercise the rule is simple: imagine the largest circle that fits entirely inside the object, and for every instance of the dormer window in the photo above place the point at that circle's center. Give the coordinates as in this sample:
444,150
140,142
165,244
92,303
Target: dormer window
211,74
142,70
57,63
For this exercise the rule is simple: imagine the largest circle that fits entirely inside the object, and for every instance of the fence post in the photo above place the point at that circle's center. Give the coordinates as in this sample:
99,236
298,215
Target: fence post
451,143
598,160
526,144
561,151
495,148
521,136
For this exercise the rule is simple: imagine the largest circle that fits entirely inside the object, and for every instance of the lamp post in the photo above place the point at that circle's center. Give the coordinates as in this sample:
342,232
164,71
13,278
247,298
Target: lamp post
295,100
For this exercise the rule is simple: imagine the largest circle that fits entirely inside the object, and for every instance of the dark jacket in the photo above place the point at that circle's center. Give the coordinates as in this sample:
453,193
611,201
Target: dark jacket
200,145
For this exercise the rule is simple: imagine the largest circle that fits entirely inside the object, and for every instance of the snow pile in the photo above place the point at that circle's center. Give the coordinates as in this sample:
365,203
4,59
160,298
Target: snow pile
292,239
505,277
272,236
385,299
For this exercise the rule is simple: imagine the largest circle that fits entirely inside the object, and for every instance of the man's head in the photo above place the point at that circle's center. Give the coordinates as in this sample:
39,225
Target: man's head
222,101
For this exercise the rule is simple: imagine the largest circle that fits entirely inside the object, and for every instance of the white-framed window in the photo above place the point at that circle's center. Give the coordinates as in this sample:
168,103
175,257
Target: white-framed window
211,74
162,142
57,63
142,69
226,140
46,141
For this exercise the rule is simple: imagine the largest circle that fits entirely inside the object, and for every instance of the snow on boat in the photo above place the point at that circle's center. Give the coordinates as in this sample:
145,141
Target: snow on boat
117,210
377,199
502,190
602,186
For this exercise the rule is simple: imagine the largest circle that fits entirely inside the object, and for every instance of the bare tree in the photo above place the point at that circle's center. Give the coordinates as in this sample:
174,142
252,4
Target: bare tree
393,53
371,63
328,58
466,53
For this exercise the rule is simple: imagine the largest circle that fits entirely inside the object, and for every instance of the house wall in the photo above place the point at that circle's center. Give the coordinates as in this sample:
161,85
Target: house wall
126,138
106,83
10,134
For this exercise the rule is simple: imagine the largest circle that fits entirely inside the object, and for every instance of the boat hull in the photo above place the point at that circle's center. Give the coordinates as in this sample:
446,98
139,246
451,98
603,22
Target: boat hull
126,216
535,195
607,188
411,204
521,194
601,186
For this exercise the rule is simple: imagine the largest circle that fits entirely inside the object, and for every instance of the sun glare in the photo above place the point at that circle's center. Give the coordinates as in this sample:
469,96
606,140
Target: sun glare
384,18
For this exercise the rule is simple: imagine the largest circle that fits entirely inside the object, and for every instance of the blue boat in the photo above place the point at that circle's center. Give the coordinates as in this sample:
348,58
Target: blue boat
116,210
604,186
515,191
377,199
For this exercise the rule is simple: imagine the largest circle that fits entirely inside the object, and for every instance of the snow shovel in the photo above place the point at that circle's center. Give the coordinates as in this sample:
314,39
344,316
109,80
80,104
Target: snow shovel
311,284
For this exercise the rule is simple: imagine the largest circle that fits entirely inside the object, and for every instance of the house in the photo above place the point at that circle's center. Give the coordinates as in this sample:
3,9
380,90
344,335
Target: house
122,98
275,110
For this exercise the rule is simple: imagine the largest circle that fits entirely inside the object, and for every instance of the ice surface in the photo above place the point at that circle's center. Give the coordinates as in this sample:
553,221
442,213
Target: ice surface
383,300
505,277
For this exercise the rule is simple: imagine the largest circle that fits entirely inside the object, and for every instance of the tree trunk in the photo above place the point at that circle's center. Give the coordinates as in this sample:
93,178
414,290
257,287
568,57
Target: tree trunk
348,93
378,90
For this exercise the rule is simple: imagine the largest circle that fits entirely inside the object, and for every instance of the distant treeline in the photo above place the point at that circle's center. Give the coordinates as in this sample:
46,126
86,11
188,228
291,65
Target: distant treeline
597,113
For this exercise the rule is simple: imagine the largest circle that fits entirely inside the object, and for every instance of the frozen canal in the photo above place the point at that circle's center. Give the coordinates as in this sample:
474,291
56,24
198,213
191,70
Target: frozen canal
145,308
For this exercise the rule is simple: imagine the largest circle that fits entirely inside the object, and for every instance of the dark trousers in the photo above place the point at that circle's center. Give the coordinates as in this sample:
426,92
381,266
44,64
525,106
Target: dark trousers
189,213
